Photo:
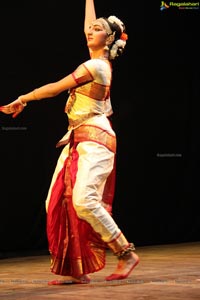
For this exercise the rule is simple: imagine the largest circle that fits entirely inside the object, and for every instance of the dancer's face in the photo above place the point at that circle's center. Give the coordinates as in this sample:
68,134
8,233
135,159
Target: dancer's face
96,36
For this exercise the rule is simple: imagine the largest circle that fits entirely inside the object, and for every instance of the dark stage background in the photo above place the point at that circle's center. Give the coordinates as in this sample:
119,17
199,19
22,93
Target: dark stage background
155,98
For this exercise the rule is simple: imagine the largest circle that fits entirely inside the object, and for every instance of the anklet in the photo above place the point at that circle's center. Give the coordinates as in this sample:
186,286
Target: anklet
125,251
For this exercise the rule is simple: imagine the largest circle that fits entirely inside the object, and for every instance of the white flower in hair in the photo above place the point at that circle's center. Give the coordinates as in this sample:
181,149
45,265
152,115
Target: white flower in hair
113,51
117,45
120,43
114,19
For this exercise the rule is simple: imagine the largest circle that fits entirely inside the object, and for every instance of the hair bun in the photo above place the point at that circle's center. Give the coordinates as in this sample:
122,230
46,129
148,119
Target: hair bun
114,19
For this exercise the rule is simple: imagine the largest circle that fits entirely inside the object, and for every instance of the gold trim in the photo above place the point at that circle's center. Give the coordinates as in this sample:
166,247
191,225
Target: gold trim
118,244
93,133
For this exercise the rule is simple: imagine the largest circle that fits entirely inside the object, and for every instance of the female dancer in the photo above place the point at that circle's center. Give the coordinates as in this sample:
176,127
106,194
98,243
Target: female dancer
80,226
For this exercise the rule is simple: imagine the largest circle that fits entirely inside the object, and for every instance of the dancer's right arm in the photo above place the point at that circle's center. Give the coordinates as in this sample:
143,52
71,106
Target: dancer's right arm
46,91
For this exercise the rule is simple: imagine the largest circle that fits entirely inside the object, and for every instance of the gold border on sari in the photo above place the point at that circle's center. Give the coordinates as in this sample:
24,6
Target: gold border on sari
96,134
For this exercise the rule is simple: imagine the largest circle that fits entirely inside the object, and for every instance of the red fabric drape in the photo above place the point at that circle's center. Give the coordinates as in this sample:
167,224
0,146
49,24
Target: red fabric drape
75,248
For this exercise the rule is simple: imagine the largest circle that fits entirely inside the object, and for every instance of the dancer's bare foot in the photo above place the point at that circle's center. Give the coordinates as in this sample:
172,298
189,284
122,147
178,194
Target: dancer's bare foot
70,280
83,279
125,266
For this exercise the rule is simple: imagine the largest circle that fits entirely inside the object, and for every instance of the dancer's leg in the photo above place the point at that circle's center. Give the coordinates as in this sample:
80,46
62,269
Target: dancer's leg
94,165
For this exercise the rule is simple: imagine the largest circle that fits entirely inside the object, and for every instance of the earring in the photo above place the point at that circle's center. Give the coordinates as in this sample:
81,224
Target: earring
106,47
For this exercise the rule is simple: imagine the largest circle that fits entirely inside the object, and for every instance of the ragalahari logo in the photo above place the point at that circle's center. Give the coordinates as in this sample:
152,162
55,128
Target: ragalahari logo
179,5
164,5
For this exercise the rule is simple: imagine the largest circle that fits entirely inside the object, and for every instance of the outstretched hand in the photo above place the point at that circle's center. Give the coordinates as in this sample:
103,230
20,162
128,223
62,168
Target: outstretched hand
14,108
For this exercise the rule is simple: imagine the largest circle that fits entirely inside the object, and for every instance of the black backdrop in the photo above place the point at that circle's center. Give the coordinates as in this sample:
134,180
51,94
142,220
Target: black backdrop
155,100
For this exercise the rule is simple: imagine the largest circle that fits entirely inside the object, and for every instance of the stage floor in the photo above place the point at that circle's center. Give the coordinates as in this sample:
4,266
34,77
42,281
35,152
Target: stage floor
165,272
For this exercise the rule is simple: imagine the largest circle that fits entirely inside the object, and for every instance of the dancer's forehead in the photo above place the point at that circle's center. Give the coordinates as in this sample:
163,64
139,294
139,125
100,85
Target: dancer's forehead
101,22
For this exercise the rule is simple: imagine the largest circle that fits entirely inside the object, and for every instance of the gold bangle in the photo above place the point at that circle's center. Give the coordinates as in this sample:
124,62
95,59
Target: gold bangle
22,103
